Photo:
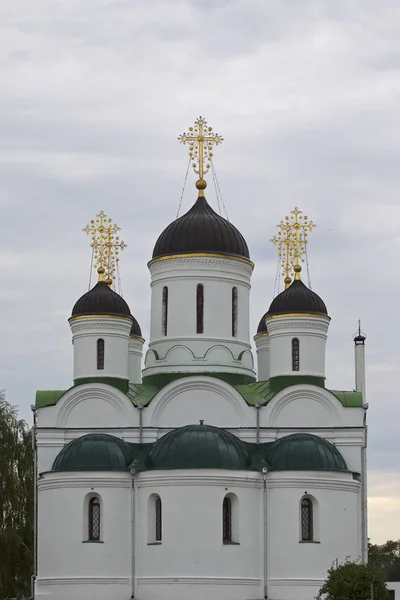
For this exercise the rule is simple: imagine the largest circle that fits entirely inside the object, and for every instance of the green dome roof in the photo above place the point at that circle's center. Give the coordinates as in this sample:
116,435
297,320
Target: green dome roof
94,452
304,452
198,447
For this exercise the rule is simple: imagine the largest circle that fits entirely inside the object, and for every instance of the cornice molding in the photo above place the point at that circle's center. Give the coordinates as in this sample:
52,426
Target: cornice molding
55,480
310,480
177,580
45,581
208,478
201,262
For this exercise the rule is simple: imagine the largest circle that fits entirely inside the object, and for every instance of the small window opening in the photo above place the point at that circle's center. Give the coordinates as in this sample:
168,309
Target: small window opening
306,519
227,520
295,355
165,310
100,354
94,519
158,519
234,311
200,309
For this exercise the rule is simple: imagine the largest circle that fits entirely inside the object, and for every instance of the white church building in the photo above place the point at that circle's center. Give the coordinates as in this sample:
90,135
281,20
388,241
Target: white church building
205,474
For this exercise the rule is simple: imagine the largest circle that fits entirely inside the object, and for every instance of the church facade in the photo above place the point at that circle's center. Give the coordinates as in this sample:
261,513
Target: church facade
193,477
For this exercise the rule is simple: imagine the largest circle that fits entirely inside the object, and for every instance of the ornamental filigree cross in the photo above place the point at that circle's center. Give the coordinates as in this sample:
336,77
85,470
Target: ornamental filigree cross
201,140
106,246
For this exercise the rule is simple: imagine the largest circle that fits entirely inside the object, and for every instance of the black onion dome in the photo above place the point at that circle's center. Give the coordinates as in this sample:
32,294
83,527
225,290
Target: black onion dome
201,230
262,326
298,298
101,300
135,329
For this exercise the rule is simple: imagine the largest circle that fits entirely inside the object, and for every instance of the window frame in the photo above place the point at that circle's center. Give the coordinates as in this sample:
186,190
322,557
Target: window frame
234,311
158,519
227,520
100,345
200,308
164,314
295,354
307,526
94,503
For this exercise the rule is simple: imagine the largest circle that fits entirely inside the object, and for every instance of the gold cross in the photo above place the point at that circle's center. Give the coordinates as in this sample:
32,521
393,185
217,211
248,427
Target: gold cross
201,140
291,242
106,246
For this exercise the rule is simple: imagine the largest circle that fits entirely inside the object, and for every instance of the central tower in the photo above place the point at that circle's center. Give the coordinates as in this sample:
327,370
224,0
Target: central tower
200,280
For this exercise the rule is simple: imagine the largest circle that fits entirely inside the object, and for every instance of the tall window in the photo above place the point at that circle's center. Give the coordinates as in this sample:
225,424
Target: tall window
306,519
234,311
158,519
100,354
165,310
200,309
227,520
94,519
295,355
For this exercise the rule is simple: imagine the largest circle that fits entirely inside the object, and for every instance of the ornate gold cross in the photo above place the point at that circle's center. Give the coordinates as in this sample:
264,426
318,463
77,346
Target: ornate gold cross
201,140
106,246
291,242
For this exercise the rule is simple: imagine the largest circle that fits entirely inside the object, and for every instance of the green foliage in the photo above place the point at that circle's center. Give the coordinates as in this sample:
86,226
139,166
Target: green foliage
352,581
387,558
16,504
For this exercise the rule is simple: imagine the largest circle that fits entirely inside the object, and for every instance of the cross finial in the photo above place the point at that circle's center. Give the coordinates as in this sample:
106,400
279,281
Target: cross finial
201,140
291,242
106,246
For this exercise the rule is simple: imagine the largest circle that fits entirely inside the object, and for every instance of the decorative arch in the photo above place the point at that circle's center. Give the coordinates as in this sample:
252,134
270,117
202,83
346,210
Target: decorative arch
95,392
298,395
190,385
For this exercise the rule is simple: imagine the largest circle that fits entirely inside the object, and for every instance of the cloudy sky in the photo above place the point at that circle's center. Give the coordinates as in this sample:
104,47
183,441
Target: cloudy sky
93,94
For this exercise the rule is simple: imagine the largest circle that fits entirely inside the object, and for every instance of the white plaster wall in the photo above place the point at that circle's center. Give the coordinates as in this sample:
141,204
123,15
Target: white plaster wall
69,568
297,570
115,332
192,562
216,348
311,333
263,349
394,585
135,359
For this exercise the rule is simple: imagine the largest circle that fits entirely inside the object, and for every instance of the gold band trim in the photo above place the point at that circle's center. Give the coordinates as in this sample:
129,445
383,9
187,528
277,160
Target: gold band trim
137,337
200,254
79,317
284,315
259,335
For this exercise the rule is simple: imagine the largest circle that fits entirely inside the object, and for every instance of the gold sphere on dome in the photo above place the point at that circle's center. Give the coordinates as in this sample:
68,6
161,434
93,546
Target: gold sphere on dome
101,270
297,268
201,184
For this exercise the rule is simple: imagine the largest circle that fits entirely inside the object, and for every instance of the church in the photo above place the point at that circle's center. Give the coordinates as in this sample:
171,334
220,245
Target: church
190,468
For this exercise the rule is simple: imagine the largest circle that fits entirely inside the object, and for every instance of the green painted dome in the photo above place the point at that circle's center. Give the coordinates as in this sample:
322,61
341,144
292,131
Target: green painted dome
94,452
198,447
304,452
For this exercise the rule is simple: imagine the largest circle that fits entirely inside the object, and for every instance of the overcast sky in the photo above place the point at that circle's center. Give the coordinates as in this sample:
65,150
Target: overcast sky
93,94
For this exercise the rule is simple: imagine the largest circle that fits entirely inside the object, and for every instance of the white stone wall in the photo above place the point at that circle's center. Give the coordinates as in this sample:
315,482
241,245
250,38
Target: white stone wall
115,333
311,331
262,345
216,349
135,359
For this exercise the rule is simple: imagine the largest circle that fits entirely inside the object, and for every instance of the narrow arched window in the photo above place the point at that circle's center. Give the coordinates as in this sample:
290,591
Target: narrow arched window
94,519
100,354
165,310
158,519
295,355
200,309
227,520
306,519
234,311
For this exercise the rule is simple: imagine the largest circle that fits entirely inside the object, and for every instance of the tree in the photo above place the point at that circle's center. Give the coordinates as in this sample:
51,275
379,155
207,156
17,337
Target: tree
353,581
387,558
16,503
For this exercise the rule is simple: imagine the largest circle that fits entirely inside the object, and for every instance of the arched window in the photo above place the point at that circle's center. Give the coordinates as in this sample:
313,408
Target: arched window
234,311
158,519
94,519
306,519
227,520
200,309
100,354
165,310
295,354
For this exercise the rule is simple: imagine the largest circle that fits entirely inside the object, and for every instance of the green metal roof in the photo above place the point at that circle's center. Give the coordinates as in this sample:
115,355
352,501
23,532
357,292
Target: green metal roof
94,452
199,447
304,452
